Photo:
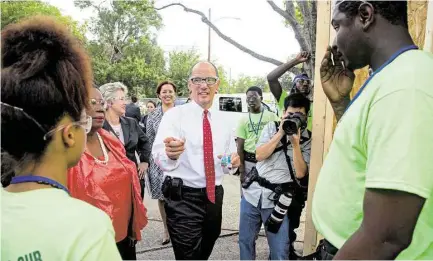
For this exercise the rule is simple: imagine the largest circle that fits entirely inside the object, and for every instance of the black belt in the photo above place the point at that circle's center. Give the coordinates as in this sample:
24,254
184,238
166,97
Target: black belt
329,248
250,157
196,190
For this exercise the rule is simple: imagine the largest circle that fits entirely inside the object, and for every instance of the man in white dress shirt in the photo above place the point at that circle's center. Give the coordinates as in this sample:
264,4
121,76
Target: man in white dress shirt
188,147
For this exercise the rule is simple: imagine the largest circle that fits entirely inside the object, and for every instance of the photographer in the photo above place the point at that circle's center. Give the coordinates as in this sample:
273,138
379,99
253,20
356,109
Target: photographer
258,202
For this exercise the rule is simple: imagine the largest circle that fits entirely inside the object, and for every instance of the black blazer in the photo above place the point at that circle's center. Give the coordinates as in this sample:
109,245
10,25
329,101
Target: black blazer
143,123
133,111
135,139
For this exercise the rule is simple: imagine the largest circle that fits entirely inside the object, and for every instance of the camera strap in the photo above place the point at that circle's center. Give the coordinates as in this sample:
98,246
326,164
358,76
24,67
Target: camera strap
284,148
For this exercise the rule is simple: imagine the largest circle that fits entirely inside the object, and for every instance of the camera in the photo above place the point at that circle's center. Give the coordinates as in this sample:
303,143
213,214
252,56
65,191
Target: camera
273,223
293,122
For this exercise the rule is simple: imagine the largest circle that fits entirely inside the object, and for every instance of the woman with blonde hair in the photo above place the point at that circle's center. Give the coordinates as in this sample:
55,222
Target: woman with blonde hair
126,129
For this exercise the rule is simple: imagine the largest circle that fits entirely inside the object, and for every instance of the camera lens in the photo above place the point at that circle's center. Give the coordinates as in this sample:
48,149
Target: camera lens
291,126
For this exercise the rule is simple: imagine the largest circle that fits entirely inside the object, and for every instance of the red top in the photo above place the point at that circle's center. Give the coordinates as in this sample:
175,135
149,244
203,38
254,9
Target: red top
109,187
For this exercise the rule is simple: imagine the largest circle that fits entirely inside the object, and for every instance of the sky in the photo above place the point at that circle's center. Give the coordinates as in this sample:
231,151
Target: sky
252,23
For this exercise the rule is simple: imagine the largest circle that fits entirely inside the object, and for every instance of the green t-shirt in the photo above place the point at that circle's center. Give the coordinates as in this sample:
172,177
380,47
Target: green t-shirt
281,109
251,133
383,141
48,224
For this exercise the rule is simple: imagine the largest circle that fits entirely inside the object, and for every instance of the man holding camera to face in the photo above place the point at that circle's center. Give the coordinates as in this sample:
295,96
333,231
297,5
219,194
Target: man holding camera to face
283,155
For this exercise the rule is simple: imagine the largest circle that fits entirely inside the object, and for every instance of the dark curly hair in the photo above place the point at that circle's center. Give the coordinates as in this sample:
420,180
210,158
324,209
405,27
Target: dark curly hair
393,11
46,74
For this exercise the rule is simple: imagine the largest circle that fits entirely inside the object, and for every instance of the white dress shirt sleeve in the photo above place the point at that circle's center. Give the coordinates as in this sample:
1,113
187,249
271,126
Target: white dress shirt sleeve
169,127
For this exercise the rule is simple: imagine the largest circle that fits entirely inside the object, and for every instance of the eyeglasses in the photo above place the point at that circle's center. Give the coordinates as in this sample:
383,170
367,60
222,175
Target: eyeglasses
303,81
94,102
119,99
86,124
207,80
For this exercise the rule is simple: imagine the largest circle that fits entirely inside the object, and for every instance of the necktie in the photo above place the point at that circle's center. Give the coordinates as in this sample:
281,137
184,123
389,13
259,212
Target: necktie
209,166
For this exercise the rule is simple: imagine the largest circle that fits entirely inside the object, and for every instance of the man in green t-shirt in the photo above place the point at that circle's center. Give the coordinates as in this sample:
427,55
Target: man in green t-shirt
373,198
249,129
301,84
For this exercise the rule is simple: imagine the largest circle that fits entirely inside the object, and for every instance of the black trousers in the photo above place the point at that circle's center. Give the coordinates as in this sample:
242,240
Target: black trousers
142,185
126,249
294,213
194,223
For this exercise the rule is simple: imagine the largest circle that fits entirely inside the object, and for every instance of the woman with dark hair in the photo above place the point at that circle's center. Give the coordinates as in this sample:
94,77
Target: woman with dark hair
166,92
46,76
108,180
150,107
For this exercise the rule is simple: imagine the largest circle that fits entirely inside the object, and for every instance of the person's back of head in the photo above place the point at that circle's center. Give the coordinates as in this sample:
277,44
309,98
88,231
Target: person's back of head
46,75
134,99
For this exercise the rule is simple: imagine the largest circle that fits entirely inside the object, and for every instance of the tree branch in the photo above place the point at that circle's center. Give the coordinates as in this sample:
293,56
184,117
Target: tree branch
223,36
289,15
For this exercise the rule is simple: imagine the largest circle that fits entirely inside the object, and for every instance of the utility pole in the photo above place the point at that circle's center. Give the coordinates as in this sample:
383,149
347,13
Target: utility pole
209,31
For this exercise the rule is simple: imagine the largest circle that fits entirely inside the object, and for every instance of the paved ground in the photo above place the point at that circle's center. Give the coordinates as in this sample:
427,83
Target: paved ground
226,248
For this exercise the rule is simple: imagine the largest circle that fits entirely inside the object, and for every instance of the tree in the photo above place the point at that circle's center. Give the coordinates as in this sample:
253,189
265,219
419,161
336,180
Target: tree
119,23
299,15
243,82
179,66
13,11
125,48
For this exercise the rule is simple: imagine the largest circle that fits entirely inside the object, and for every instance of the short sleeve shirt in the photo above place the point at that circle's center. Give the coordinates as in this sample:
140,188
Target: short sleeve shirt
250,128
48,224
383,141
275,168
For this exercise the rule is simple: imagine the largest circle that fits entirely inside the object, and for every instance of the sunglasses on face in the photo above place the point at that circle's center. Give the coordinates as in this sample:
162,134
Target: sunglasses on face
303,81
94,102
207,80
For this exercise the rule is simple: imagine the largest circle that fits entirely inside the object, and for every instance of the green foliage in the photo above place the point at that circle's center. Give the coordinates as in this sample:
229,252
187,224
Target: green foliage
125,48
13,11
243,82
298,14
179,66
140,68
122,22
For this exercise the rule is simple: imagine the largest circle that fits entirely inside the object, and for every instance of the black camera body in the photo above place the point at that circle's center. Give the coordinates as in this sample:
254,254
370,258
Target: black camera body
293,122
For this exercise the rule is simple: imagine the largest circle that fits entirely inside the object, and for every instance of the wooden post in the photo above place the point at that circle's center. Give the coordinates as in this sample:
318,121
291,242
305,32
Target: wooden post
323,114
428,40
320,122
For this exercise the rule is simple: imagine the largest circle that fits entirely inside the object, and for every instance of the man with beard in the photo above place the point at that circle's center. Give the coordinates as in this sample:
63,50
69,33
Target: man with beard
373,198
250,128
301,84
